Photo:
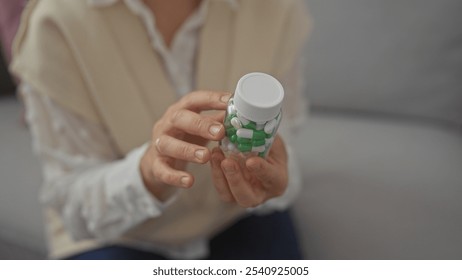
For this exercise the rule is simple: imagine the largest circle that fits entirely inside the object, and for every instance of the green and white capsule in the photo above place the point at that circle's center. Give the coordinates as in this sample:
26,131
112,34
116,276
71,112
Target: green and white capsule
227,146
236,123
250,134
243,120
259,149
230,131
270,126
260,125
242,140
245,147
231,109
231,147
256,143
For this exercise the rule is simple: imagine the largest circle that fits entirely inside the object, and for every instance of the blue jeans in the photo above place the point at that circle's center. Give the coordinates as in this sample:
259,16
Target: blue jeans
265,237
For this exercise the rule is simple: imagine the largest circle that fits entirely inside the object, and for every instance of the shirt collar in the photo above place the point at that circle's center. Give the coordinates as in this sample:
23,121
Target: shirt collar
104,3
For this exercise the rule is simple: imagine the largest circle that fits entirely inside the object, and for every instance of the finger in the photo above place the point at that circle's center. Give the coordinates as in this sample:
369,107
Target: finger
219,179
205,100
273,177
218,116
196,124
177,149
167,175
242,191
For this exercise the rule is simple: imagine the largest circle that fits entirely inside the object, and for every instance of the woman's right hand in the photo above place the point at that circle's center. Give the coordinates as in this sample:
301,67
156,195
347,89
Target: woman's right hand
180,136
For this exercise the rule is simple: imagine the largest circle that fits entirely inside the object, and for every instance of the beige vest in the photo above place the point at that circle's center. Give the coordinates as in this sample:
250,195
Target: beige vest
99,64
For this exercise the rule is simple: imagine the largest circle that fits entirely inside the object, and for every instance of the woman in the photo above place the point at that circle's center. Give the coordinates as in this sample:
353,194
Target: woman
124,140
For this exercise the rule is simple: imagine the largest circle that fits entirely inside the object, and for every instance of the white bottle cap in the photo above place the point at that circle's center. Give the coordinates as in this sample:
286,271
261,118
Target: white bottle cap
258,97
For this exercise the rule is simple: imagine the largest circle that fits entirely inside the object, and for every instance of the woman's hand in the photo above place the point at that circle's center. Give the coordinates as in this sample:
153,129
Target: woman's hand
180,136
254,183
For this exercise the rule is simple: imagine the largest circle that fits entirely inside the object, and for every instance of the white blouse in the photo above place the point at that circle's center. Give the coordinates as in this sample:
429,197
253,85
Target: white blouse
101,196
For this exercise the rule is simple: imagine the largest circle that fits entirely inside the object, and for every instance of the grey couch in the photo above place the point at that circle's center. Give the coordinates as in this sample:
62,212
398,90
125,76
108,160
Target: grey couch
381,152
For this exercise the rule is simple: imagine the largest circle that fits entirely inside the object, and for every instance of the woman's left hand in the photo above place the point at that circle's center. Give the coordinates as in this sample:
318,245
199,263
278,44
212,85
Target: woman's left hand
256,182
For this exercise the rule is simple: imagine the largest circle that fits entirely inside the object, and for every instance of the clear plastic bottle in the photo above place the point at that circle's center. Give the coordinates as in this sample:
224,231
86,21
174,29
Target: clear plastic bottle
253,116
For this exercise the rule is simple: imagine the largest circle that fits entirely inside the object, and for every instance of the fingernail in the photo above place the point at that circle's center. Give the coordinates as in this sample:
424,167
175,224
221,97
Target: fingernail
225,98
199,154
215,129
156,143
229,168
253,167
216,158
185,181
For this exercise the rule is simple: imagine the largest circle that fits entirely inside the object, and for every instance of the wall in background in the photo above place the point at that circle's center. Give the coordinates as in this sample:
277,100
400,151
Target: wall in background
390,57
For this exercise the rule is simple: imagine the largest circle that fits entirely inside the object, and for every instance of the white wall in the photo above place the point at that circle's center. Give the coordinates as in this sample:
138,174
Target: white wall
387,56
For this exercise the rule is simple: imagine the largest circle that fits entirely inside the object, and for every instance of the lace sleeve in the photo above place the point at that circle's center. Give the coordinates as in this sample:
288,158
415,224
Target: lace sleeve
97,194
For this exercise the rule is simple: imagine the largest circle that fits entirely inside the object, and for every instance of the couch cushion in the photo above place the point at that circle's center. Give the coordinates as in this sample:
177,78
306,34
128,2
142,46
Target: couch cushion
390,56
21,220
380,190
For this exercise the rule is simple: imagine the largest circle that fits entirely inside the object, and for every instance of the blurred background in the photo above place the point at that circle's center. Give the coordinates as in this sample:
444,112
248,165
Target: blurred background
381,152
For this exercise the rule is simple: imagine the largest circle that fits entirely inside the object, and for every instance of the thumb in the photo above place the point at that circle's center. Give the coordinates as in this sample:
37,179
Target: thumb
269,174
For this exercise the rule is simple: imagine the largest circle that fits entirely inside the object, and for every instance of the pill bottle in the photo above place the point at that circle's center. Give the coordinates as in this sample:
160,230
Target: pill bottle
253,116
